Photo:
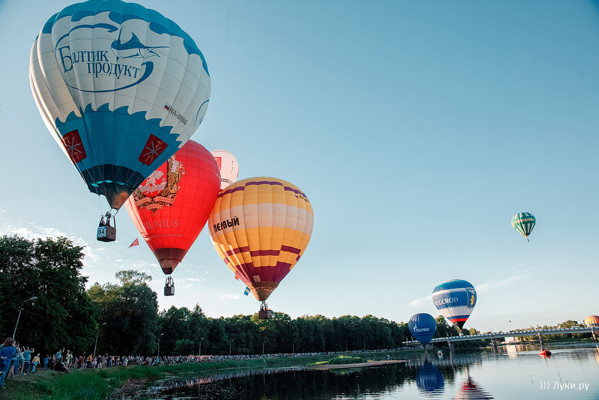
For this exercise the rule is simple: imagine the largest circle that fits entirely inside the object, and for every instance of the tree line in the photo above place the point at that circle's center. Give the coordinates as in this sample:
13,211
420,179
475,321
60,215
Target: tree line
123,318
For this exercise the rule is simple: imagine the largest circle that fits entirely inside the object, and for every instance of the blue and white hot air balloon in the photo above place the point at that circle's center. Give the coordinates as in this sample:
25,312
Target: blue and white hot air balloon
455,300
423,327
121,88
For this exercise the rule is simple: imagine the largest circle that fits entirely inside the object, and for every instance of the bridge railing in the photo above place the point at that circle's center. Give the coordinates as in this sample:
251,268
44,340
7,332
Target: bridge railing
501,334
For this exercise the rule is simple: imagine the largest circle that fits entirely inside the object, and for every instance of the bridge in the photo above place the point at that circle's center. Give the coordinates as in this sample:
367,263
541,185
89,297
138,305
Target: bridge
500,335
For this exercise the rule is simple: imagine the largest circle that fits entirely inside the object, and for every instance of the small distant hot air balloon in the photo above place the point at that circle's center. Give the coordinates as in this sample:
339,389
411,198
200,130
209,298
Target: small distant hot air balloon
121,88
524,222
172,205
229,169
455,299
592,321
261,227
429,380
423,327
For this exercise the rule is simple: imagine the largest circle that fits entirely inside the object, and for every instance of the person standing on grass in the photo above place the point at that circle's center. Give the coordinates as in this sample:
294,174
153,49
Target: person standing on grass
59,355
26,359
7,353
14,364
36,360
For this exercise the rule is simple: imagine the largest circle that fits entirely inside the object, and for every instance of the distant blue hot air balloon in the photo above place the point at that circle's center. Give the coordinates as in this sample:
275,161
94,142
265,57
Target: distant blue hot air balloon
456,300
423,327
429,380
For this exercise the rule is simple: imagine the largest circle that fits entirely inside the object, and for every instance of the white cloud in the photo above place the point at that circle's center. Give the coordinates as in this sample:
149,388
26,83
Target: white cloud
47,232
194,279
483,287
418,302
229,297
504,282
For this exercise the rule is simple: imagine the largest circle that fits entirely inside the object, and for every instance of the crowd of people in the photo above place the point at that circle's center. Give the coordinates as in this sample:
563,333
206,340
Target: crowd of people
15,359
21,360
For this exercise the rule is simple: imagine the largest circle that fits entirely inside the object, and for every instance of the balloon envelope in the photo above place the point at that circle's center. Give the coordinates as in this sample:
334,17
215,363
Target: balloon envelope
171,207
422,327
524,222
121,88
261,227
229,169
592,321
455,299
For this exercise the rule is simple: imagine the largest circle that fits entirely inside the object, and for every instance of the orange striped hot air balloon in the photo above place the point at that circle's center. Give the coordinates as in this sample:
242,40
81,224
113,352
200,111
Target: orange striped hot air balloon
592,321
261,227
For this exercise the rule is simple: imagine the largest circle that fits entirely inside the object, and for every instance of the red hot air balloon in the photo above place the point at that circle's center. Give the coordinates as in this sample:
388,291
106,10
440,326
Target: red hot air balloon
172,205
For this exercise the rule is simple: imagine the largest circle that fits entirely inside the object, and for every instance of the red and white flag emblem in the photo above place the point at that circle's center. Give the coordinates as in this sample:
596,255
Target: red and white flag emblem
74,146
153,148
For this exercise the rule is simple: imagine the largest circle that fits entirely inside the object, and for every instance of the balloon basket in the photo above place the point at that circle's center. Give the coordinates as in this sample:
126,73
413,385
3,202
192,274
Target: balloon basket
169,287
106,234
264,312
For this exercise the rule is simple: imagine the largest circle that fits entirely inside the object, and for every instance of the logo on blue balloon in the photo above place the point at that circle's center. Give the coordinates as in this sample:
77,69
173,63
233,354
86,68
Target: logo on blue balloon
113,62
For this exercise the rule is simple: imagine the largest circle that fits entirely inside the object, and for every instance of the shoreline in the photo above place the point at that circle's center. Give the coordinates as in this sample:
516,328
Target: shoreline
355,365
106,383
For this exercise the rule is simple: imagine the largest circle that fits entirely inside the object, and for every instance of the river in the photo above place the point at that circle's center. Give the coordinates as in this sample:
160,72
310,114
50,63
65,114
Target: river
514,372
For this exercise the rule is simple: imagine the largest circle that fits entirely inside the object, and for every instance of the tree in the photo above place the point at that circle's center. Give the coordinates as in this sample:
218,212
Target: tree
174,324
49,269
130,311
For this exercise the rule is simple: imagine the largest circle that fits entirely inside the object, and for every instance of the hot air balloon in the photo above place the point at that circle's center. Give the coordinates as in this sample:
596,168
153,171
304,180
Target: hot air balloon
456,300
261,227
172,205
229,169
524,222
592,321
121,88
422,327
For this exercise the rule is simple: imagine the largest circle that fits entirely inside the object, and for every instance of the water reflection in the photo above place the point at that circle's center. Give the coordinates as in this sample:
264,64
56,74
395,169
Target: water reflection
470,390
429,380
472,375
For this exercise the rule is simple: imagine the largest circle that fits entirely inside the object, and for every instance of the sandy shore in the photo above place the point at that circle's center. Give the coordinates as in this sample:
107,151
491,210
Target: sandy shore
356,365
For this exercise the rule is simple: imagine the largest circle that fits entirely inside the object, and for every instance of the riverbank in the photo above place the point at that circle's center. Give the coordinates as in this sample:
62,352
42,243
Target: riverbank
99,384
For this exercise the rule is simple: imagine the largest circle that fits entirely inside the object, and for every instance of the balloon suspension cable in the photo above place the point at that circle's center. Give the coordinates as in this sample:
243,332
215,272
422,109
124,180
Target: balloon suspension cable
263,306
527,239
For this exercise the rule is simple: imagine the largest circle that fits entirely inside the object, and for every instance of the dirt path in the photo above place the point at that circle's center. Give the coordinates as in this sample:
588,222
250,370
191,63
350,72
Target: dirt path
357,365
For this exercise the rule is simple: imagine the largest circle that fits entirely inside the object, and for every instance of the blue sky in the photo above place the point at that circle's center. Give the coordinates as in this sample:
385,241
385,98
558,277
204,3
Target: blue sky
416,128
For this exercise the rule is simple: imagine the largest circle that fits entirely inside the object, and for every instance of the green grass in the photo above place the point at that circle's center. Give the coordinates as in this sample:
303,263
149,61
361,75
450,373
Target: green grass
97,384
